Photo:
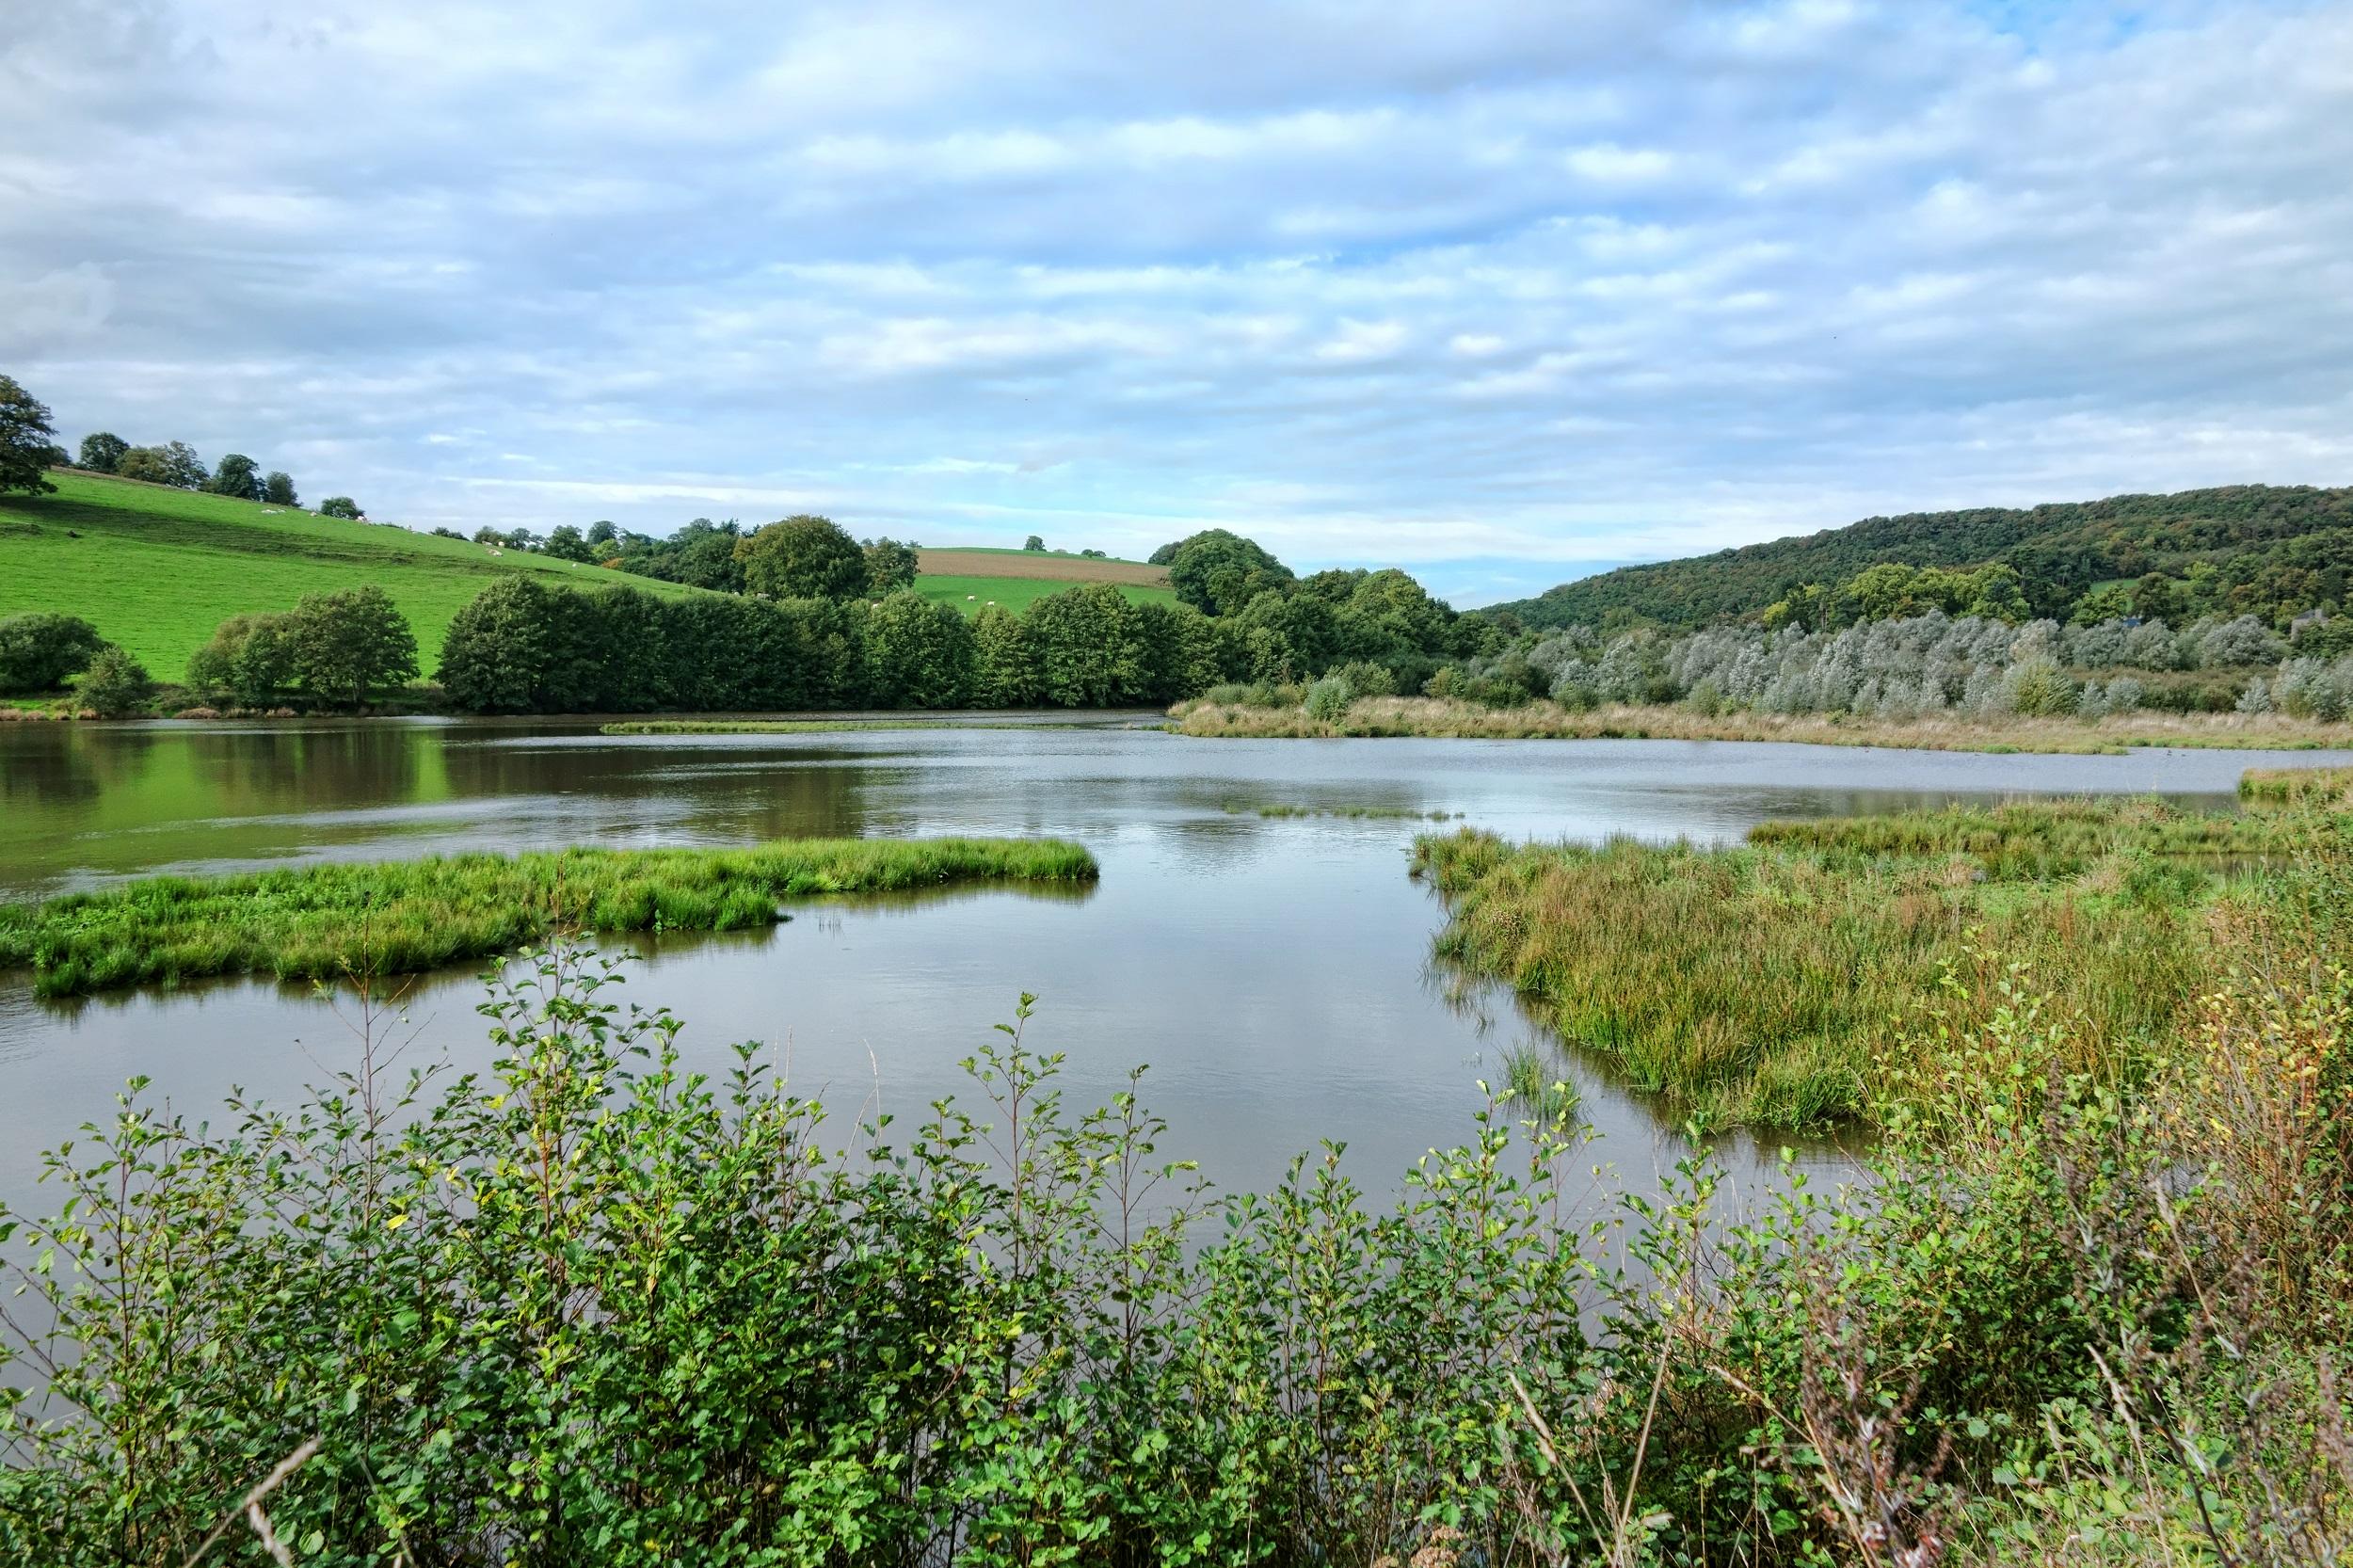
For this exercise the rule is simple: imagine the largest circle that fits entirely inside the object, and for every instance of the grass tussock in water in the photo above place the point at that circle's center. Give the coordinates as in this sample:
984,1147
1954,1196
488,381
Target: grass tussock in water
1764,983
1394,717
404,917
1357,814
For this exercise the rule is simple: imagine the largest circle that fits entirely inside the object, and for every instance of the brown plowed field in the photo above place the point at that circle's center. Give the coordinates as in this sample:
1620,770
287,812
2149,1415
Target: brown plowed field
1037,563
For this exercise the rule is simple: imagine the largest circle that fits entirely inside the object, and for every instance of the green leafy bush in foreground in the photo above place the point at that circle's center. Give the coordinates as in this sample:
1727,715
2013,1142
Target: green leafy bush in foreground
590,1307
402,916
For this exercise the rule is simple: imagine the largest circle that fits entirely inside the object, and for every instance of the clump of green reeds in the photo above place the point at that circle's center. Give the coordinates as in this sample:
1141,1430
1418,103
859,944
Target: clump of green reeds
1362,813
1764,983
2329,786
403,916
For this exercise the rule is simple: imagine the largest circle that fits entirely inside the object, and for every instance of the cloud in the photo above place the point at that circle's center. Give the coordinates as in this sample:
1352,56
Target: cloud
1448,283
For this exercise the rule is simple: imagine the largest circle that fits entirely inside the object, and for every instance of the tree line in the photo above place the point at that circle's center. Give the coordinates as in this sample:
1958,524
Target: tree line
29,450
2275,553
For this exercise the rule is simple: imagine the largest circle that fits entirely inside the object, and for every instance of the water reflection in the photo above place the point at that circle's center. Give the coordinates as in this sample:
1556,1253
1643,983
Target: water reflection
1273,971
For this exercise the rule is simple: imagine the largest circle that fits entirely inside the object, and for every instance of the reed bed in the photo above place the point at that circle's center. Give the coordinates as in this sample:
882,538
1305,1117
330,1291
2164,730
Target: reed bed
1764,985
2330,787
322,922
1393,716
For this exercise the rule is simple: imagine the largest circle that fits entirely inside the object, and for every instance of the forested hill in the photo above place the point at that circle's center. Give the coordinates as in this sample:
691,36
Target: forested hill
2262,550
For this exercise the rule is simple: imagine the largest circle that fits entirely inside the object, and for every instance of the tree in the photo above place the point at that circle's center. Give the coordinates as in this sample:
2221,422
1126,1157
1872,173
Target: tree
236,475
41,648
249,659
704,557
919,654
890,567
803,557
25,450
102,450
340,507
565,544
347,643
175,464
1004,673
277,489
495,658
1085,646
1218,572
601,533
1033,542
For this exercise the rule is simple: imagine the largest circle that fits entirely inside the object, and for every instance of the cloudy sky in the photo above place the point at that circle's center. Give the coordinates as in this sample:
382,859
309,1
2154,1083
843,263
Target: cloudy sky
1501,291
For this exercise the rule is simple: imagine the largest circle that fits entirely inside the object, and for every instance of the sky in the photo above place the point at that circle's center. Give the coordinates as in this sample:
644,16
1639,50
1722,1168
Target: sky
1503,292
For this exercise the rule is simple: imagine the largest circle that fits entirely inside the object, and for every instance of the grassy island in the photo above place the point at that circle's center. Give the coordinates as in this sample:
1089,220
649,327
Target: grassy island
1783,983
1443,719
403,916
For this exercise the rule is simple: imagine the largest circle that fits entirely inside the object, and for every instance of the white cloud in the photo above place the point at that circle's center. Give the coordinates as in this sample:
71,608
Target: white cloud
1426,280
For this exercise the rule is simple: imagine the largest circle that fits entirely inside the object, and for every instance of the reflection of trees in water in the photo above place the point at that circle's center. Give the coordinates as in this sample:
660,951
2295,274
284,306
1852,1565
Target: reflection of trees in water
43,763
273,769
803,794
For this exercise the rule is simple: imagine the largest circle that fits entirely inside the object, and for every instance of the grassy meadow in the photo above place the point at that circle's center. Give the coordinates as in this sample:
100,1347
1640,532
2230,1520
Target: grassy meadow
156,570
1769,983
323,921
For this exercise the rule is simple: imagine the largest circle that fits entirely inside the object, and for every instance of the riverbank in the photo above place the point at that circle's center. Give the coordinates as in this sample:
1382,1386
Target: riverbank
330,921
1797,980
1437,718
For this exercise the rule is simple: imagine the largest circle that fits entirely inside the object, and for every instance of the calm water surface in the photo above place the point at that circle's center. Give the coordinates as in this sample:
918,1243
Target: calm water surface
1272,972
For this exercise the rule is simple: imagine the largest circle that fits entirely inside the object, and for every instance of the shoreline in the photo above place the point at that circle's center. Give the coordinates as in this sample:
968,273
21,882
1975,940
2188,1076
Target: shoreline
1433,719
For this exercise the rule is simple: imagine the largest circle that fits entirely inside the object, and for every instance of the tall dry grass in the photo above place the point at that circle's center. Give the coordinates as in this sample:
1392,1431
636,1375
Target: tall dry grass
1454,720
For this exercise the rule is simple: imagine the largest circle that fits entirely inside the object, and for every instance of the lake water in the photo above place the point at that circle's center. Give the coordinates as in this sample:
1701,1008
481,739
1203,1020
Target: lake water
1272,972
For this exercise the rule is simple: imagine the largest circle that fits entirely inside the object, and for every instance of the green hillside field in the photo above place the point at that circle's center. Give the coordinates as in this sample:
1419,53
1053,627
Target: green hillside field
156,570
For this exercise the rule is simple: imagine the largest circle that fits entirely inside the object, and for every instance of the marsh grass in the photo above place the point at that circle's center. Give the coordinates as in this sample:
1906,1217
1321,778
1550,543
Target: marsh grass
2331,788
1392,716
1372,813
402,916
1764,983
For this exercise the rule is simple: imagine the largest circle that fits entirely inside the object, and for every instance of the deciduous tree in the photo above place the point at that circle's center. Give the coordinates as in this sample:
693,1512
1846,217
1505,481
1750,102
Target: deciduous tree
41,648
102,450
349,643
803,557
25,450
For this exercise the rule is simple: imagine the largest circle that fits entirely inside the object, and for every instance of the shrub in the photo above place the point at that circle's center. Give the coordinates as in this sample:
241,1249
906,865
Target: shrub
1328,699
113,686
